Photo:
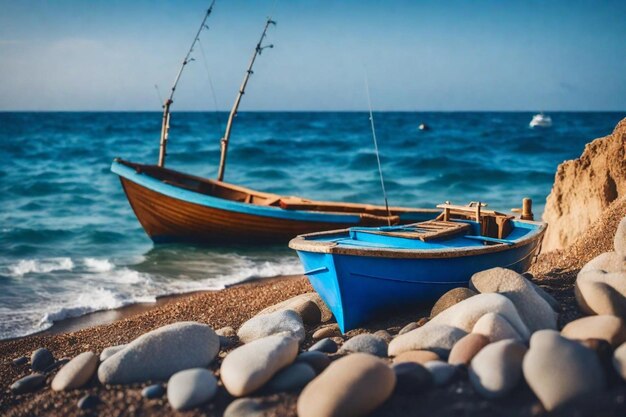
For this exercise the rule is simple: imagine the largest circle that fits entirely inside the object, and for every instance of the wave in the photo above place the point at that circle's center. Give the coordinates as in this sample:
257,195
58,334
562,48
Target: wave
98,265
40,266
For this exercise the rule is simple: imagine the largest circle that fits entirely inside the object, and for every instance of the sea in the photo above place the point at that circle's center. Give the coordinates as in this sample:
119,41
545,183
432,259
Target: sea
70,243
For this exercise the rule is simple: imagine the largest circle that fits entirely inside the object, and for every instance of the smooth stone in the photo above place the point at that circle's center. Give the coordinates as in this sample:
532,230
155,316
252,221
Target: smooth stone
159,354
559,370
56,364
600,292
309,312
416,356
383,334
22,360
619,361
365,343
247,407
191,387
619,241
76,372
452,297
605,262
325,345
153,391
292,378
249,367
226,332
110,351
609,328
317,360
28,383
293,303
282,321
466,349
466,313
326,331
409,327
431,336
442,372
556,306
227,342
411,377
41,359
354,385
497,368
535,312
496,328
88,402
604,351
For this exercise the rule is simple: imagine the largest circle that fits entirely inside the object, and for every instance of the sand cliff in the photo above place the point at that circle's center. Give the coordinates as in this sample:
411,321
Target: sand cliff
584,187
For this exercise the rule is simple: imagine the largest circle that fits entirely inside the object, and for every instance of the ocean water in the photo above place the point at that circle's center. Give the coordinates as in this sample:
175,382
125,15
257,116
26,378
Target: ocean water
70,244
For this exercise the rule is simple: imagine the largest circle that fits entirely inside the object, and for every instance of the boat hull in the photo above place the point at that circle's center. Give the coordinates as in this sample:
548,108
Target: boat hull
172,214
358,289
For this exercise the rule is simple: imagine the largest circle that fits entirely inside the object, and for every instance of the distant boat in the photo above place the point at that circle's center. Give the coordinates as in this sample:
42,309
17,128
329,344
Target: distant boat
423,127
177,207
541,120
363,272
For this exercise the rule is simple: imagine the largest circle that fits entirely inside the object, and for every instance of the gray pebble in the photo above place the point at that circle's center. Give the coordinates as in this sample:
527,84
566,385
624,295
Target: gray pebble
89,401
56,365
411,377
325,345
41,359
22,360
28,384
247,407
316,359
153,391
292,378
366,343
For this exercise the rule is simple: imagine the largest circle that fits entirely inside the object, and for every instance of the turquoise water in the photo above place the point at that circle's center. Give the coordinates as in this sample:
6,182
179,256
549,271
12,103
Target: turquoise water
70,244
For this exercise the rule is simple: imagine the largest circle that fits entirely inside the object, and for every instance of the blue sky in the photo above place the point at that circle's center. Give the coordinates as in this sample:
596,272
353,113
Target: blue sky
419,55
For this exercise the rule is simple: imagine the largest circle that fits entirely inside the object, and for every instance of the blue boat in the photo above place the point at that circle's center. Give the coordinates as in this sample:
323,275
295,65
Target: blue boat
363,272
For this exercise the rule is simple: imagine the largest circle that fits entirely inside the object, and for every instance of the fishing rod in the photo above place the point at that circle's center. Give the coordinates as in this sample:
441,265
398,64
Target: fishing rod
224,142
380,169
165,124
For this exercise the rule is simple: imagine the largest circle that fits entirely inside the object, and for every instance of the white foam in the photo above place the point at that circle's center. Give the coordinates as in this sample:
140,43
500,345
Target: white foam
98,265
40,266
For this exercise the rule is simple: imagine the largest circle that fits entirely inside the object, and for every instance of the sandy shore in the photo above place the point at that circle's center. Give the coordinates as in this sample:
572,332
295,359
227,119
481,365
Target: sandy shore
555,272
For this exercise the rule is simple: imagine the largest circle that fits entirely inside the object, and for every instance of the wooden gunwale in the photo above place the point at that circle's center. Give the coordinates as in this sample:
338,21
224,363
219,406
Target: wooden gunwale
303,243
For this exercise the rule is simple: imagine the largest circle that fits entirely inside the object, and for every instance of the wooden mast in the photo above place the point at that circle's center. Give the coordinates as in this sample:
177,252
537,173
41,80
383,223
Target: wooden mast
224,142
165,124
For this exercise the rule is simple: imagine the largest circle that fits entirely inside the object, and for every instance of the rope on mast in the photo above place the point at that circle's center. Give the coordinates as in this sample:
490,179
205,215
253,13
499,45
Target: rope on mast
165,126
224,142
205,61
380,169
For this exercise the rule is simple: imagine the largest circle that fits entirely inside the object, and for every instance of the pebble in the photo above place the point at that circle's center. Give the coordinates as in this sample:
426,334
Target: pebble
497,368
556,306
466,348
354,385
325,345
110,351
496,328
326,331
535,312
609,328
602,292
294,303
226,332
282,321
431,336
442,372
416,356
559,370
451,298
190,388
605,262
619,360
28,383
153,391
365,343
408,328
56,364
159,354
411,377
247,407
41,359
76,372
292,378
604,351
383,334
88,402
22,360
249,367
466,313
317,360
309,312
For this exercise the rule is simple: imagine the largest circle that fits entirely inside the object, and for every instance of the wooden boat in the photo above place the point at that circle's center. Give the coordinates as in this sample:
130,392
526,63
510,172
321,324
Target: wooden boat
362,272
177,207
172,206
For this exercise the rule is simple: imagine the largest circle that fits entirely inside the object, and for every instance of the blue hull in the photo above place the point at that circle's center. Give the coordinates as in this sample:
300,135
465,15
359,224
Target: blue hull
358,289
